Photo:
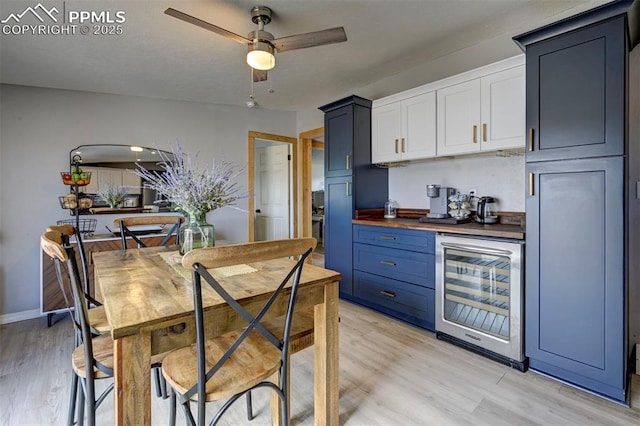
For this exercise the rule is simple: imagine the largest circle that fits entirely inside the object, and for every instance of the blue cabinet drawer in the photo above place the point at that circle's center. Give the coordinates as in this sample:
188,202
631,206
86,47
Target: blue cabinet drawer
409,302
405,239
410,266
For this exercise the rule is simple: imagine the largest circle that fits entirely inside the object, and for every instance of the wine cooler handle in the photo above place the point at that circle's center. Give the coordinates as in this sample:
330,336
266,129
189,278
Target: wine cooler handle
477,249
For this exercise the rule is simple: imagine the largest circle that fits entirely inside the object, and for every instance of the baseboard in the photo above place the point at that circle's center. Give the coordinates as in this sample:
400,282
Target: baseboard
20,316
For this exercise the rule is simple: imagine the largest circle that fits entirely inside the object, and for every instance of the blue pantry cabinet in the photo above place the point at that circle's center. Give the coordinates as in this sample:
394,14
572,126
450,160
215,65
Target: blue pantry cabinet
351,181
576,322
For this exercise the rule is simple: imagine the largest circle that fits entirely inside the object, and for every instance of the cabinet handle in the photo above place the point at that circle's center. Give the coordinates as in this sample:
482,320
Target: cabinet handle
484,132
402,144
531,192
386,237
396,146
387,293
348,189
386,262
348,159
531,139
475,134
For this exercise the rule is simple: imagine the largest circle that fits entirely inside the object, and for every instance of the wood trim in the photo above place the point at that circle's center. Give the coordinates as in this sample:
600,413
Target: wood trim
252,136
307,143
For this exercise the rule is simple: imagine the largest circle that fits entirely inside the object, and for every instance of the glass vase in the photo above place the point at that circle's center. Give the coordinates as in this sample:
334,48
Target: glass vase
196,233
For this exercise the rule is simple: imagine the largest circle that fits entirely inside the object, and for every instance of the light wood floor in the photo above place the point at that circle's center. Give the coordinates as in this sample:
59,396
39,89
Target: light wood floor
390,374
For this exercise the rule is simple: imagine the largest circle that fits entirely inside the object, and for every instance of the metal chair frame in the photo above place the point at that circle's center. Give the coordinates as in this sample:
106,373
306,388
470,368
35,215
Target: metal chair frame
253,324
126,232
83,335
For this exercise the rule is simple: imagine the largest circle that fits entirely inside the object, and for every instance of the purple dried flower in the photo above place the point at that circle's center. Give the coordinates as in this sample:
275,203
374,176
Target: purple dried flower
193,189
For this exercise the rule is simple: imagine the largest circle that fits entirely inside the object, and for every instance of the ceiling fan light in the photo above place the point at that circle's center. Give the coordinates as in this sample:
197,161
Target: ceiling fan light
260,56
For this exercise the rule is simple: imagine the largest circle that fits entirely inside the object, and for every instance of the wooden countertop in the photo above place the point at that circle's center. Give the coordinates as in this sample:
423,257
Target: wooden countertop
470,228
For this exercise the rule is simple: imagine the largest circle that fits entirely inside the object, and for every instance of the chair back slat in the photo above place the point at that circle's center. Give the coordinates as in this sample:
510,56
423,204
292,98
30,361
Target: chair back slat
235,254
124,223
51,243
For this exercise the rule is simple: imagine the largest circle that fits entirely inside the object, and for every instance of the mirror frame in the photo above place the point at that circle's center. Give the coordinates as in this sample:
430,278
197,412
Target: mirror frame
116,164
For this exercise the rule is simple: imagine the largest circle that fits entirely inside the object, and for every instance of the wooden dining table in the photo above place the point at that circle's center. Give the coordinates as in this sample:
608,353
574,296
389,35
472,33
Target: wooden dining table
148,301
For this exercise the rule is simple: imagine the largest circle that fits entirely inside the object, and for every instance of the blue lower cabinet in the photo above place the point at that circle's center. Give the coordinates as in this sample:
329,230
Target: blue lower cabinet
394,272
411,303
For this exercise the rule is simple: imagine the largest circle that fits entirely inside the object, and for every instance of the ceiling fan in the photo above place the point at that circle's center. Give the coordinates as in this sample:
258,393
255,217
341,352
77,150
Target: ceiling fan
262,44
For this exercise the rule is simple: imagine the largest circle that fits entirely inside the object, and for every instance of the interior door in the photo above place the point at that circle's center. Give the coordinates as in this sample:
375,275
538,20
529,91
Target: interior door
272,200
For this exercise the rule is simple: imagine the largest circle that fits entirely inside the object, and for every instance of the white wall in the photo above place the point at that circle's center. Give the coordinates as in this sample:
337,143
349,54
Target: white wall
39,127
317,170
502,177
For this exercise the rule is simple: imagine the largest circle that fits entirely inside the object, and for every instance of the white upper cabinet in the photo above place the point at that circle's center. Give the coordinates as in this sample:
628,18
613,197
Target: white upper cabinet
101,176
476,111
404,130
483,114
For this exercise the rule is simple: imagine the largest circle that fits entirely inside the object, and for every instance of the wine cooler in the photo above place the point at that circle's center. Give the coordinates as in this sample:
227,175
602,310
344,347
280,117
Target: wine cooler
479,296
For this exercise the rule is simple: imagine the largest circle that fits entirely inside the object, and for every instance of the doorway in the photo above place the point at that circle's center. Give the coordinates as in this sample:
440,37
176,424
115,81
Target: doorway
272,185
312,152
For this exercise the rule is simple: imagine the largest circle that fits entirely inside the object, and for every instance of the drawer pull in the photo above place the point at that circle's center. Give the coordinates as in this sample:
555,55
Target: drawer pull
388,238
402,144
387,293
484,132
348,161
386,262
475,134
396,146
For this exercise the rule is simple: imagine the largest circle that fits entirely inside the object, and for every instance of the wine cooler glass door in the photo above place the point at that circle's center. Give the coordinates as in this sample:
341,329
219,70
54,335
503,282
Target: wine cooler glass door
479,292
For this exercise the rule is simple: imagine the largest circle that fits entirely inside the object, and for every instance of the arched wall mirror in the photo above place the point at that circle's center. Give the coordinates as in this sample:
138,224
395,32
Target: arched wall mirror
111,164
118,156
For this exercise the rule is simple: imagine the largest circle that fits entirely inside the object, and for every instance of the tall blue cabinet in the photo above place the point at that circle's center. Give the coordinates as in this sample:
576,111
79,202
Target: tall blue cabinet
577,277
351,181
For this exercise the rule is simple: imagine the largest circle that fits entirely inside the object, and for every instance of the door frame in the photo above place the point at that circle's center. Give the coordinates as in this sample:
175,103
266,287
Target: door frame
307,143
252,136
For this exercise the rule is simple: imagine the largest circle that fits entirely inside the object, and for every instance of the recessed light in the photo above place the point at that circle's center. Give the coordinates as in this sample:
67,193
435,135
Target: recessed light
136,149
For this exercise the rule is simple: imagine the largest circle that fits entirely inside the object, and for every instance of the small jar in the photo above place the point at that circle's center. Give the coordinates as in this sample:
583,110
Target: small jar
390,208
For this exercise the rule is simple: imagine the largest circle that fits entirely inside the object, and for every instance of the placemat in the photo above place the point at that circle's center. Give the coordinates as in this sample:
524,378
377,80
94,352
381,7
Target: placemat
174,260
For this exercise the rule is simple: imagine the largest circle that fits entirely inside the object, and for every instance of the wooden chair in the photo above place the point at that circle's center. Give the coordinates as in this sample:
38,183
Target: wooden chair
124,223
92,359
96,312
242,360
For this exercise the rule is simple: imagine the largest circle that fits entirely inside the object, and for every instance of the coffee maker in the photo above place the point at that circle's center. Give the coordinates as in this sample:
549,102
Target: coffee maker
438,205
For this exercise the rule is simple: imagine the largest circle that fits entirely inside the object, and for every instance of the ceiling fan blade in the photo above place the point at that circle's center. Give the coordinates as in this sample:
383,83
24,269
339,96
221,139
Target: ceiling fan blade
317,38
259,75
206,25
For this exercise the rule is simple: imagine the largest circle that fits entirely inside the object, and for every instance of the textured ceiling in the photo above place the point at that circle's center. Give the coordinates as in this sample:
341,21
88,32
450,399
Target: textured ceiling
160,56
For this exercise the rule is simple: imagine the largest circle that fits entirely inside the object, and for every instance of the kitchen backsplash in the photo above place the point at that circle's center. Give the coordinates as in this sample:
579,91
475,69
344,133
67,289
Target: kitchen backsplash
500,177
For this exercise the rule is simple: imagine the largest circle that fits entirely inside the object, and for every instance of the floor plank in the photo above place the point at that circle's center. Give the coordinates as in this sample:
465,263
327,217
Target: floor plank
391,373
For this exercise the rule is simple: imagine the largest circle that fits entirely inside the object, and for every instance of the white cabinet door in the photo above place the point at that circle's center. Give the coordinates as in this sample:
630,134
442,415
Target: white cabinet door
482,114
131,182
459,118
386,132
92,188
419,127
503,109
404,130
111,177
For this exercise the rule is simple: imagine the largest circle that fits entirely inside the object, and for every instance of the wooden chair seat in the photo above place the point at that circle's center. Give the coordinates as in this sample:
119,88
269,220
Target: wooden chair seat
98,320
301,329
258,361
102,353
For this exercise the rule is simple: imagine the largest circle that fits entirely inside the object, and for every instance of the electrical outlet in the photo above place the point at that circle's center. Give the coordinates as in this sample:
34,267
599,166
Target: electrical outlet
472,193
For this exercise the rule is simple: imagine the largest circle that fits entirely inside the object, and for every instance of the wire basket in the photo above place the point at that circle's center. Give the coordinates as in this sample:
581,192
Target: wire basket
86,226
